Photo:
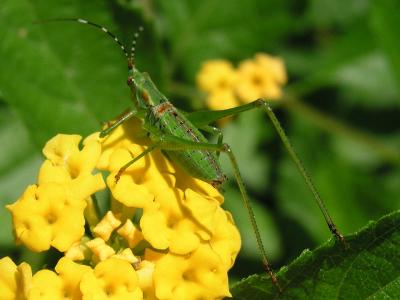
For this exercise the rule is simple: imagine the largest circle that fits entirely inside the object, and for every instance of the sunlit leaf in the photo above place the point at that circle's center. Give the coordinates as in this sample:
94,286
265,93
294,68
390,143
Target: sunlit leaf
368,268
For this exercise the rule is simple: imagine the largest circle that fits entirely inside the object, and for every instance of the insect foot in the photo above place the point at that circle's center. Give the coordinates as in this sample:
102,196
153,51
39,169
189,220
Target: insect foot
338,235
118,176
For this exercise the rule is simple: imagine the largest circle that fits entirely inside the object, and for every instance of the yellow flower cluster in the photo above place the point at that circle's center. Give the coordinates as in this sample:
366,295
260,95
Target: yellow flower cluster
164,237
227,87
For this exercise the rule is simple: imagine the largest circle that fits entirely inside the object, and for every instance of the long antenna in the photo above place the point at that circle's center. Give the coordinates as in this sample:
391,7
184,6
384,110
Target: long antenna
133,47
105,30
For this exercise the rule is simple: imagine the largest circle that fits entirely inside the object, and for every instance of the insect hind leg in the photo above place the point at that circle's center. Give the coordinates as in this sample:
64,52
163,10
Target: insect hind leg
202,118
219,133
285,140
173,143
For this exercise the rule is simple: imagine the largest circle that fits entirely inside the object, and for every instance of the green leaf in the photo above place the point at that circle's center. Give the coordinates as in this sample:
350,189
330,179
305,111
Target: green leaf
358,89
368,268
385,23
63,77
50,91
19,164
326,13
318,65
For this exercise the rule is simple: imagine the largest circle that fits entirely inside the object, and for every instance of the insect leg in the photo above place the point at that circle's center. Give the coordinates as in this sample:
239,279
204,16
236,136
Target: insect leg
216,131
302,170
173,143
206,117
129,163
126,116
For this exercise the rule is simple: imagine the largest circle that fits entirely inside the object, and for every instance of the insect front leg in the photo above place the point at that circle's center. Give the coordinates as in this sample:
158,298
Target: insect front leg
202,118
123,118
129,163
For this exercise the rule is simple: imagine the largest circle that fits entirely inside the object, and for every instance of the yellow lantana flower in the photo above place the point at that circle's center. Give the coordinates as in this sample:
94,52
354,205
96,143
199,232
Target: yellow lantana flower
222,99
166,225
130,233
50,213
199,275
145,273
111,279
106,226
15,281
127,254
44,217
165,235
71,274
275,66
100,249
260,78
62,284
227,87
63,150
46,285
216,75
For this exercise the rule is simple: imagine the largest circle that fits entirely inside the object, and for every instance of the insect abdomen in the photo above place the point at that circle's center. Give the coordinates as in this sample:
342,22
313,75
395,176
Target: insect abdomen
202,164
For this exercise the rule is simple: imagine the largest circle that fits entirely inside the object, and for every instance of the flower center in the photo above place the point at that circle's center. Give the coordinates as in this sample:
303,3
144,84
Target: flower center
257,80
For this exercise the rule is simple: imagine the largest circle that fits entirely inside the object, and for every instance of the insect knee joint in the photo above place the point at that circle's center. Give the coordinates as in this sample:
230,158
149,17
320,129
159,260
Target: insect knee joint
260,102
226,148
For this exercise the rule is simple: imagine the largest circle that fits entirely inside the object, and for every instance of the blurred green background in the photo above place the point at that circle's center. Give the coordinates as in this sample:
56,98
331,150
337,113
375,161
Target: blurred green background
341,106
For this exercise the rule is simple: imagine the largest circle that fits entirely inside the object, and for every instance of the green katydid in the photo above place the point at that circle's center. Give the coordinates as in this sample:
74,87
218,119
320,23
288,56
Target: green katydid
178,135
